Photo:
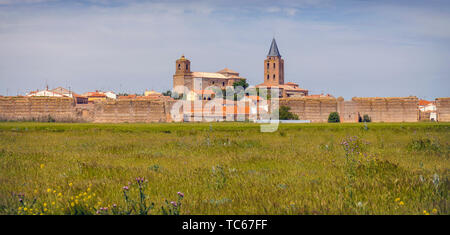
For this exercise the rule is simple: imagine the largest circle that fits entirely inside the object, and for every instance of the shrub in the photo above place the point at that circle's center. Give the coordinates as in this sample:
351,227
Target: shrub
334,117
366,118
284,114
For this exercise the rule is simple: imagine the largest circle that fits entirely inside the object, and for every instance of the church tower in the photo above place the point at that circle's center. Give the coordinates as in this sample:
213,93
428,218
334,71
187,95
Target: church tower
273,67
183,73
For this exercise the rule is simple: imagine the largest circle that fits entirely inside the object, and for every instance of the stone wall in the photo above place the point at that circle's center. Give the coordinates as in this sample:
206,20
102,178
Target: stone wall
131,111
314,109
388,109
443,109
38,109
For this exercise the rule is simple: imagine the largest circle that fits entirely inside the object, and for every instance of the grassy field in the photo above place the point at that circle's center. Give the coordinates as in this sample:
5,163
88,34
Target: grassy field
224,168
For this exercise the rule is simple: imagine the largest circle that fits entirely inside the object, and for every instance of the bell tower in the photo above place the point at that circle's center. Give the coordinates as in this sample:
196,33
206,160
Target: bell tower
273,66
182,72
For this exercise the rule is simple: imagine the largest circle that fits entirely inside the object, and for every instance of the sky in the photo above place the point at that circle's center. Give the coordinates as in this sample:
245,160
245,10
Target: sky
345,48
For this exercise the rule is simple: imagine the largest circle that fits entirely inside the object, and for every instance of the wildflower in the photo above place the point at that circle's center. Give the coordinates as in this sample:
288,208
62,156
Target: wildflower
70,184
35,191
25,209
434,211
88,189
59,194
173,203
125,188
42,166
84,194
53,203
20,208
397,199
76,201
54,191
45,204
180,194
401,203
49,190
72,204
45,209
89,197
93,194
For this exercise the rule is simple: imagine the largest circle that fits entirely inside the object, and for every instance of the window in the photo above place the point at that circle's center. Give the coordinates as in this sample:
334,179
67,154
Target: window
179,66
268,65
187,67
273,65
213,82
267,76
274,77
223,83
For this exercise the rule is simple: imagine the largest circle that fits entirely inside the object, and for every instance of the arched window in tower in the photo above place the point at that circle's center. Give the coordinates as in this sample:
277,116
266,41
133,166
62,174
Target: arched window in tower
268,65
274,77
273,65
267,76
223,83
187,67
179,66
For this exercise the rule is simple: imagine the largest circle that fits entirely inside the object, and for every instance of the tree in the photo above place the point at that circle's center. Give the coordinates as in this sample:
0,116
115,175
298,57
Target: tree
334,117
284,114
167,93
366,118
243,83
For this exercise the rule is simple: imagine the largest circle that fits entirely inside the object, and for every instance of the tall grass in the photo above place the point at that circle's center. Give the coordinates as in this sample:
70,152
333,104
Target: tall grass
224,168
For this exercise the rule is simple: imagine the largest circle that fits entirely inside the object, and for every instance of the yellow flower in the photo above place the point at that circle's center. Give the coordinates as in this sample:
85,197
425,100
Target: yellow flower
45,209
84,194
20,208
434,211
53,203
54,191
93,194
70,184
424,211
49,190
76,201
45,204
42,166
89,197
72,204
25,209
401,203
397,199
35,191
89,189
59,194
41,213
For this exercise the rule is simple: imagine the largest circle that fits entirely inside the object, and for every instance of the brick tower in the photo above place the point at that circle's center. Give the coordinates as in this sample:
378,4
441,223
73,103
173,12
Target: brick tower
273,67
183,74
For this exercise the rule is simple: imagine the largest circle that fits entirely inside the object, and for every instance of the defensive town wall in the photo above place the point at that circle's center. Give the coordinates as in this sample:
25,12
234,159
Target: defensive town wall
391,109
65,110
443,109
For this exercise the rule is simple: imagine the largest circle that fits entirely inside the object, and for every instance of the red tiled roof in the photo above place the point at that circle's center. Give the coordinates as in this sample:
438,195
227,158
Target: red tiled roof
424,102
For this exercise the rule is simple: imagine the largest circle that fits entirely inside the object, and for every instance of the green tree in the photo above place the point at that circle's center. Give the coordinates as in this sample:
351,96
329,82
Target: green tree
334,117
243,83
366,118
285,114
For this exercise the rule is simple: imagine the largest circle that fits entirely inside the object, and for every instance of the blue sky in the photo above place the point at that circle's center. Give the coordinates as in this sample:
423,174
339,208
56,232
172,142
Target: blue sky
345,48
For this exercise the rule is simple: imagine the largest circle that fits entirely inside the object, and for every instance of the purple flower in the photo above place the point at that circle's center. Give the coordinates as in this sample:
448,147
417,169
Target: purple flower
180,194
125,188
173,203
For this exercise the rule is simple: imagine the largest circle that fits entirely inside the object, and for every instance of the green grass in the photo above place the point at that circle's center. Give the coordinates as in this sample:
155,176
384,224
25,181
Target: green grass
225,168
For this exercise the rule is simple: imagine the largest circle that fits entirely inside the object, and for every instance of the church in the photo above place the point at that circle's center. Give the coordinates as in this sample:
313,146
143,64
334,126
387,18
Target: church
273,76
